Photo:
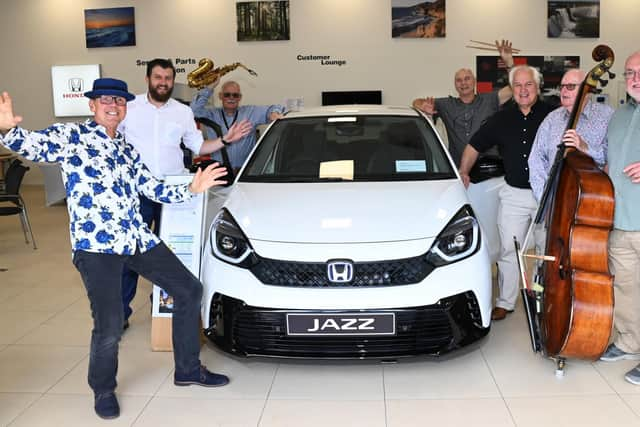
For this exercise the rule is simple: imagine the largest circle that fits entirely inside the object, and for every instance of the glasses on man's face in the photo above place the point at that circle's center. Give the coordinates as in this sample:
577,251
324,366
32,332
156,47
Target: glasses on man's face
569,86
235,95
631,74
110,99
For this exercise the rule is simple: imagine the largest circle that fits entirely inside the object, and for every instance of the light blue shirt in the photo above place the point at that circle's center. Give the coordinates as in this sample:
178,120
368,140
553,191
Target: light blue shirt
239,150
592,127
624,149
102,179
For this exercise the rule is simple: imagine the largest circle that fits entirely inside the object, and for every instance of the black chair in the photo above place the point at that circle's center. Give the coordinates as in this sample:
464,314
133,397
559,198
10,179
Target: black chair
11,197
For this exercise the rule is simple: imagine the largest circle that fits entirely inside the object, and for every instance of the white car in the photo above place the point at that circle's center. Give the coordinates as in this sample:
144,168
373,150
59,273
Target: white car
349,234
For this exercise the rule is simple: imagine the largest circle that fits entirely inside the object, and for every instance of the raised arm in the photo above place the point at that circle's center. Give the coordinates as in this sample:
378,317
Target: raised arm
200,101
506,53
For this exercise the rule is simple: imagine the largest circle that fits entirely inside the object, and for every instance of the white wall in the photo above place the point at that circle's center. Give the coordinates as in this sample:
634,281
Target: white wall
37,34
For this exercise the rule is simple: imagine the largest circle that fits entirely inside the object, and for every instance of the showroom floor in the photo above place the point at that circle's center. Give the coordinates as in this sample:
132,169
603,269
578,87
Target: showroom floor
44,335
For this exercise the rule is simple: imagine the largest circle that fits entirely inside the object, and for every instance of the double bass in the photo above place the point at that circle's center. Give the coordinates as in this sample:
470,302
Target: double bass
569,297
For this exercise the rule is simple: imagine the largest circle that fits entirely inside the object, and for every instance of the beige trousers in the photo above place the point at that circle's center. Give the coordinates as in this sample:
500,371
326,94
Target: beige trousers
624,263
516,210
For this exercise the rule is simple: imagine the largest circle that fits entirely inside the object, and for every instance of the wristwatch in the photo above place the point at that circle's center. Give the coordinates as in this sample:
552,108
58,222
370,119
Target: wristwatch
225,143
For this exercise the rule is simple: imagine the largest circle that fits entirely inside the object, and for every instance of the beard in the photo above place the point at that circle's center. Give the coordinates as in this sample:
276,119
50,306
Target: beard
160,97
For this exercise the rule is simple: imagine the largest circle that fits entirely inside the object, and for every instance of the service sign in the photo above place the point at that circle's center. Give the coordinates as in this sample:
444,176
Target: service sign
69,83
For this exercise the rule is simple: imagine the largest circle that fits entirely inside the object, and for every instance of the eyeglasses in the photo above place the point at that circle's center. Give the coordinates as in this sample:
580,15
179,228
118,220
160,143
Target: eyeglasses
110,99
235,95
630,74
569,86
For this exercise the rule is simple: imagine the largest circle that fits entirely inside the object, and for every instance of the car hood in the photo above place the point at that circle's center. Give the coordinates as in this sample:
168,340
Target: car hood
345,212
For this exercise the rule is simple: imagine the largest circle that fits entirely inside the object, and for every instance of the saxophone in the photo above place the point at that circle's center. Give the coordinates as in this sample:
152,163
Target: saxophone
205,74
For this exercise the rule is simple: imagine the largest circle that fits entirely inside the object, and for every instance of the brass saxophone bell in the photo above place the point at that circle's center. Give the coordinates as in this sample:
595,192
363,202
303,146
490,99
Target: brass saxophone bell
205,75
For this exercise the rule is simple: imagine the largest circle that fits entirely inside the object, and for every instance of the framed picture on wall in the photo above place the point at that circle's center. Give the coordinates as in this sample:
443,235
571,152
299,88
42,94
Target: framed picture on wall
418,18
573,18
491,73
110,27
262,20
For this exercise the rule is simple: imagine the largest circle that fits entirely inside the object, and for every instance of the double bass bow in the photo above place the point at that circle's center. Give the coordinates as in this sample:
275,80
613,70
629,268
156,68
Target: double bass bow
569,301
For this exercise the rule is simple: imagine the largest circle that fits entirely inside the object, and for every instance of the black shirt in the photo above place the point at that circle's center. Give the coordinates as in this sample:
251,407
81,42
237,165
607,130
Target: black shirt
513,133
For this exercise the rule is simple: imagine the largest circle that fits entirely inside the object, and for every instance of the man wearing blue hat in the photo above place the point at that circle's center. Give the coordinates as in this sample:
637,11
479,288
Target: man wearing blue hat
103,176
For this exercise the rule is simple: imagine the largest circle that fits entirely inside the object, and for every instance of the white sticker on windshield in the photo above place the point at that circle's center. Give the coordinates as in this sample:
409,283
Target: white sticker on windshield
411,166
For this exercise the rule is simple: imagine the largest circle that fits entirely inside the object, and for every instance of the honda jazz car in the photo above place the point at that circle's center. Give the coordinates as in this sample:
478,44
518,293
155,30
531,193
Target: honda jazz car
347,234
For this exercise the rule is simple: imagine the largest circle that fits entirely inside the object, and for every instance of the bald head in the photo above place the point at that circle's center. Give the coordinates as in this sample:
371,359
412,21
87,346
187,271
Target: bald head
465,83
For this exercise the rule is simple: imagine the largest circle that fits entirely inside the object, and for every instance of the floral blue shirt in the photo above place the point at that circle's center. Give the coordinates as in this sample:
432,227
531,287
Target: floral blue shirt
102,178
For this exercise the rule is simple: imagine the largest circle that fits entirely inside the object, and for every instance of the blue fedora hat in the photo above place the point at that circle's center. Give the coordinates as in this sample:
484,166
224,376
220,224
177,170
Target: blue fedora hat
107,86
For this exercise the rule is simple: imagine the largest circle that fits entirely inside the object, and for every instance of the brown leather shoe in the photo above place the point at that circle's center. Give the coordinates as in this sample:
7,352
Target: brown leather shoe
499,313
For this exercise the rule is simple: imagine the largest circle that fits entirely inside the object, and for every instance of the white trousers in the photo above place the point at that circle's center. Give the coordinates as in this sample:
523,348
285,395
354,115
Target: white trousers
516,210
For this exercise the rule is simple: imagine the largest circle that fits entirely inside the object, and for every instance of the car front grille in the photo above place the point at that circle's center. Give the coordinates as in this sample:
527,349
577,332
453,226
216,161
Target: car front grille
427,330
365,274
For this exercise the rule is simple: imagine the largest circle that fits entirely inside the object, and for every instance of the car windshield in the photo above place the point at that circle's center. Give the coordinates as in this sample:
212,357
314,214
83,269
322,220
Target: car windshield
349,148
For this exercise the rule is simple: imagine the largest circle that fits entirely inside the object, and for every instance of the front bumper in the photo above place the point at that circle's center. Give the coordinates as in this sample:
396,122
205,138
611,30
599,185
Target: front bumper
436,329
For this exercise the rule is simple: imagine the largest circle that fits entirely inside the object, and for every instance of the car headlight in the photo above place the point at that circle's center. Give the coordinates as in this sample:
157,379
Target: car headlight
228,242
459,239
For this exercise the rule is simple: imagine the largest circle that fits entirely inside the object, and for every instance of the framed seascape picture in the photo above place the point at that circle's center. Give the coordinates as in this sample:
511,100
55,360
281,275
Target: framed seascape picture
418,19
262,20
573,18
492,74
110,27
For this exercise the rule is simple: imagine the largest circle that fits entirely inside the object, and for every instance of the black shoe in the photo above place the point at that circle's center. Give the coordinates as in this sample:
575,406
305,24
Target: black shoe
201,377
125,325
106,405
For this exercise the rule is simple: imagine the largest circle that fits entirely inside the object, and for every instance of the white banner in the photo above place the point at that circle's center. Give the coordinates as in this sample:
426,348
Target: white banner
69,83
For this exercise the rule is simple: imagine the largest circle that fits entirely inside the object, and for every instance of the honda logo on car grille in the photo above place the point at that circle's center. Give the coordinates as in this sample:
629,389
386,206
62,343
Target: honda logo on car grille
340,271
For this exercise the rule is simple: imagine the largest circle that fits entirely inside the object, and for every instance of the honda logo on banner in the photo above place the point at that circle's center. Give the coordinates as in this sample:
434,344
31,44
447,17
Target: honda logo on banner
76,84
340,271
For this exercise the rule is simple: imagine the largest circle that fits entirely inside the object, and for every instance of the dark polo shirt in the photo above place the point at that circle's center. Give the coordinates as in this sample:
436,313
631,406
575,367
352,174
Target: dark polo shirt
513,133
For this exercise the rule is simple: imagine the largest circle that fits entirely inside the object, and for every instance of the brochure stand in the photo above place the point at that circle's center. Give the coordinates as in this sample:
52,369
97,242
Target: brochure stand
181,230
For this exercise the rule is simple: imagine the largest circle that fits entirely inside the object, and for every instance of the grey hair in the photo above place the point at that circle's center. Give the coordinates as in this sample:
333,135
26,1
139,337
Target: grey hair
537,76
229,83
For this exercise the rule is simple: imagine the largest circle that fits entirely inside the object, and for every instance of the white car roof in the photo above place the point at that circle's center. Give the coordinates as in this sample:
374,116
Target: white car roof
347,110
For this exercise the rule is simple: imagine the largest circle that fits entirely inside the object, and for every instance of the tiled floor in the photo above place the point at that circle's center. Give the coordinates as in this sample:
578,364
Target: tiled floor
44,335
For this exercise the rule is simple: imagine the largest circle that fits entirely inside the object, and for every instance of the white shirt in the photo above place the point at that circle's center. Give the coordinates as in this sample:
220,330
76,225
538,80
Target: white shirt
156,133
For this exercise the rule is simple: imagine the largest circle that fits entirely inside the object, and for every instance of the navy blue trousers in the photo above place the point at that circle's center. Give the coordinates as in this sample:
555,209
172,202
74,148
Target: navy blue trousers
101,274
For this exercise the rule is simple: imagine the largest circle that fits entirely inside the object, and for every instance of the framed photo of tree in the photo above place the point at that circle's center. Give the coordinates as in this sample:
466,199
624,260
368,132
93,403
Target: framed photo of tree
263,20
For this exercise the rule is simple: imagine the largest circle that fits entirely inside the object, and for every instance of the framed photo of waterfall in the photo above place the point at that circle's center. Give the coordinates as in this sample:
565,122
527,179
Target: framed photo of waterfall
573,18
115,26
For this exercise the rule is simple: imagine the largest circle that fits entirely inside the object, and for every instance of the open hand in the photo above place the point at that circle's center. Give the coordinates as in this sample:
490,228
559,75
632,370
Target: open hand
7,119
506,52
238,130
207,178
426,105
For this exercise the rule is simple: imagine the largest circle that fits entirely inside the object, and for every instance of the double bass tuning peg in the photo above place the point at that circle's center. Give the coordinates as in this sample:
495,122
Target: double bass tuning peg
611,75
603,83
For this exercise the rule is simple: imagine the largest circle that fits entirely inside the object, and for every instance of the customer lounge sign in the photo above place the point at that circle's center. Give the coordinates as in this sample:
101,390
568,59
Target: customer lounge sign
69,83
